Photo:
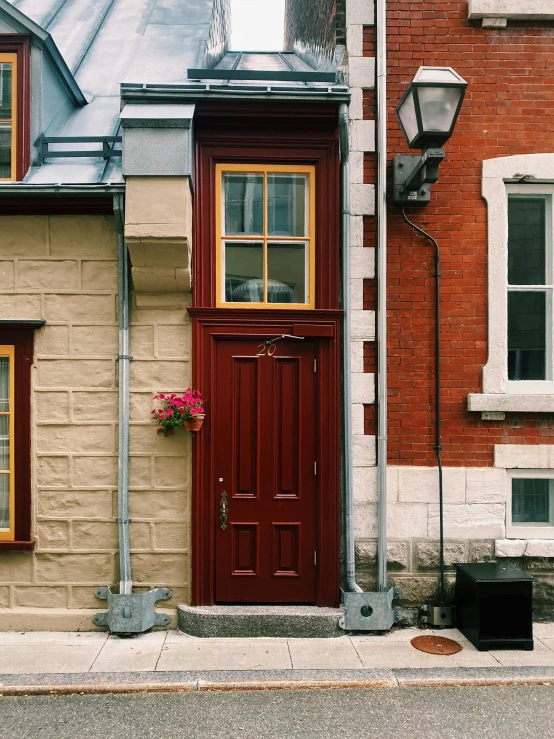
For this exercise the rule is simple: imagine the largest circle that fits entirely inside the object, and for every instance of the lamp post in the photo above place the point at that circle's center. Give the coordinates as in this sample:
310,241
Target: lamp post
427,113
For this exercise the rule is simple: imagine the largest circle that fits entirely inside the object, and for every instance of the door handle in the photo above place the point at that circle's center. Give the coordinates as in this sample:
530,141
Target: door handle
223,510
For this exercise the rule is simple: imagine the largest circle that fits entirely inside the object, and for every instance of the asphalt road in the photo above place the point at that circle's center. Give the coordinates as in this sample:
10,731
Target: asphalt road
429,713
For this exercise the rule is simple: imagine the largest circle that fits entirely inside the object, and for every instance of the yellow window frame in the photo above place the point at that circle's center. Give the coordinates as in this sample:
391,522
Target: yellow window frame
12,59
9,534
265,169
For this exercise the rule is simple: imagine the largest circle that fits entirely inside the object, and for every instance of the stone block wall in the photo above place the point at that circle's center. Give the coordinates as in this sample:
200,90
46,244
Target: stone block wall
475,531
64,269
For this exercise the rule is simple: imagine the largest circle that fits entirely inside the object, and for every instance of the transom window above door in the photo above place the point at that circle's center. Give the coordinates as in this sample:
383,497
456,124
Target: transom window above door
265,225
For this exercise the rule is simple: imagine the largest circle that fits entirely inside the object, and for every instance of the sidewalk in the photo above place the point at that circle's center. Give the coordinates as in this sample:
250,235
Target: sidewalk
53,662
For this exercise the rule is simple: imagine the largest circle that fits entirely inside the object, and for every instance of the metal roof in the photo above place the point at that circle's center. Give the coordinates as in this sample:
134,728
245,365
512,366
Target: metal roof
117,51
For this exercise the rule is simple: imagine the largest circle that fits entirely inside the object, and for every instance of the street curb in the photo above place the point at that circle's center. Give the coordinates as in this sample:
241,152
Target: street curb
125,683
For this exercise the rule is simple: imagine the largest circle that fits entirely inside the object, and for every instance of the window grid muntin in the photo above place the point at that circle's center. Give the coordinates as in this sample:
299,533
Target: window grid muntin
547,288
12,59
9,352
309,239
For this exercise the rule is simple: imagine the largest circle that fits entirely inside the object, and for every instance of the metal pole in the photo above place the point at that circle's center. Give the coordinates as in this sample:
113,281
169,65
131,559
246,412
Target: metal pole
350,580
381,209
125,584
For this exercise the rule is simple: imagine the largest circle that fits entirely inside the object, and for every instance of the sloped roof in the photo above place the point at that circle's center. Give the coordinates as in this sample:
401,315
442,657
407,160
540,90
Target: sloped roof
105,43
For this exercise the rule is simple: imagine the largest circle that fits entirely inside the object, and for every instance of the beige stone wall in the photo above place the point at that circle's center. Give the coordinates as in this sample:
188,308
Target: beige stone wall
64,269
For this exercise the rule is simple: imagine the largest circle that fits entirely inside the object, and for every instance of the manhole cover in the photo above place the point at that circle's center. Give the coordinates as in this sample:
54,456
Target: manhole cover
436,645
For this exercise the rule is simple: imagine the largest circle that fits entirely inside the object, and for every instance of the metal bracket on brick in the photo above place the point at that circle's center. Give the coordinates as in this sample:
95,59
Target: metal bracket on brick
132,614
369,611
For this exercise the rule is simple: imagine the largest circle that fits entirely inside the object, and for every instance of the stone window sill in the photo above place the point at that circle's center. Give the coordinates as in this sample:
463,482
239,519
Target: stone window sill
500,403
497,13
524,547
16,546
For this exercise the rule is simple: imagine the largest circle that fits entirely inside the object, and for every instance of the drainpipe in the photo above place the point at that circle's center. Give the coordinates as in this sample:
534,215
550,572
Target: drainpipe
381,210
373,611
350,575
128,614
125,581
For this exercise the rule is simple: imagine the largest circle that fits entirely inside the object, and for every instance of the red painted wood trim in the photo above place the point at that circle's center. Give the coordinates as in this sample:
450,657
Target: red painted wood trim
22,337
207,326
21,45
307,329
17,546
60,206
280,134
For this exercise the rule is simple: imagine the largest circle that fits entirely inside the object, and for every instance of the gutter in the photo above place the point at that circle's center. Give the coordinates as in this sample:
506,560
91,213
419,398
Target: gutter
18,189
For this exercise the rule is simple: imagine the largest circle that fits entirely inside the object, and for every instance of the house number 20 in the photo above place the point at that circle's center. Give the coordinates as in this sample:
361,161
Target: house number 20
264,349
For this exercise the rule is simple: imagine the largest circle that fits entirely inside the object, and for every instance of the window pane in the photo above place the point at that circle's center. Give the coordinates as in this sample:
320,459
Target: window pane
286,204
526,241
4,501
4,443
530,501
244,203
244,272
4,384
5,91
286,273
526,336
5,150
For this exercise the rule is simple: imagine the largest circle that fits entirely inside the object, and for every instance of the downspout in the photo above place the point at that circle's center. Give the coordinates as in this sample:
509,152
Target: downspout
128,614
381,211
125,581
350,574
371,611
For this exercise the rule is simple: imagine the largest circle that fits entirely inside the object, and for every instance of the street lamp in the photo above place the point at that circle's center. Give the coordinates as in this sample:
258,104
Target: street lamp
427,114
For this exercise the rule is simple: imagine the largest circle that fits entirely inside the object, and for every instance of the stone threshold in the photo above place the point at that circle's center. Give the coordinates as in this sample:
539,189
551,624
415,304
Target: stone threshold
260,621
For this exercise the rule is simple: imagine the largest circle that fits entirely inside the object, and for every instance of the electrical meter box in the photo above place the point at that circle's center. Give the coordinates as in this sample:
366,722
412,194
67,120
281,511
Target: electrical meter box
494,605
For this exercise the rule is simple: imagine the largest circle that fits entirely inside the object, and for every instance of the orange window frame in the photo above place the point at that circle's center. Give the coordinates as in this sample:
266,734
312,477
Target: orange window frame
221,237
12,59
9,534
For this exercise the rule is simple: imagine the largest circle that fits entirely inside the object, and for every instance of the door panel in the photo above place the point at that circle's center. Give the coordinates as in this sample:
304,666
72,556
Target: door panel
265,447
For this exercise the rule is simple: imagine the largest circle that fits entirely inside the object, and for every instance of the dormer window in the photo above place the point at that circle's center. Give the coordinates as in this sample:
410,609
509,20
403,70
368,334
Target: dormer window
8,117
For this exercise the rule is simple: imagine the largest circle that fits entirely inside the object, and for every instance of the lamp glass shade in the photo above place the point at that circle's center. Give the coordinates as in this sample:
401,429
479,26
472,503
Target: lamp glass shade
408,118
438,106
429,108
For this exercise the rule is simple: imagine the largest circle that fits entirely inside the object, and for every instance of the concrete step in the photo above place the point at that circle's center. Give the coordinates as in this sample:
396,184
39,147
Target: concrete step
255,621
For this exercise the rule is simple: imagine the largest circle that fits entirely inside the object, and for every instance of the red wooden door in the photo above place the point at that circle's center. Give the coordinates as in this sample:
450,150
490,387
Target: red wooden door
265,471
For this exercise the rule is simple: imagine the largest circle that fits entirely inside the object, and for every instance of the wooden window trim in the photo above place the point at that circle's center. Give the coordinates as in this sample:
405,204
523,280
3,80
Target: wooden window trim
310,237
12,59
9,352
20,47
22,339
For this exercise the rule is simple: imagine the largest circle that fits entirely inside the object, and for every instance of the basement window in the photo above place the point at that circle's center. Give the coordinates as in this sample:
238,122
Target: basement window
530,504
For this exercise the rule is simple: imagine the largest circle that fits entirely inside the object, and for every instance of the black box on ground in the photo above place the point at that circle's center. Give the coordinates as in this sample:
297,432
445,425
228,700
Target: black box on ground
494,605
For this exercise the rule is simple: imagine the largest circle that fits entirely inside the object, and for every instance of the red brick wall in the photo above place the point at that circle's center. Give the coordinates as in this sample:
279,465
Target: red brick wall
509,109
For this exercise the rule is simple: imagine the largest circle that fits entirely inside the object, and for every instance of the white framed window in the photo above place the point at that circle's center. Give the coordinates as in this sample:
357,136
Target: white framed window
529,289
530,504
519,373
